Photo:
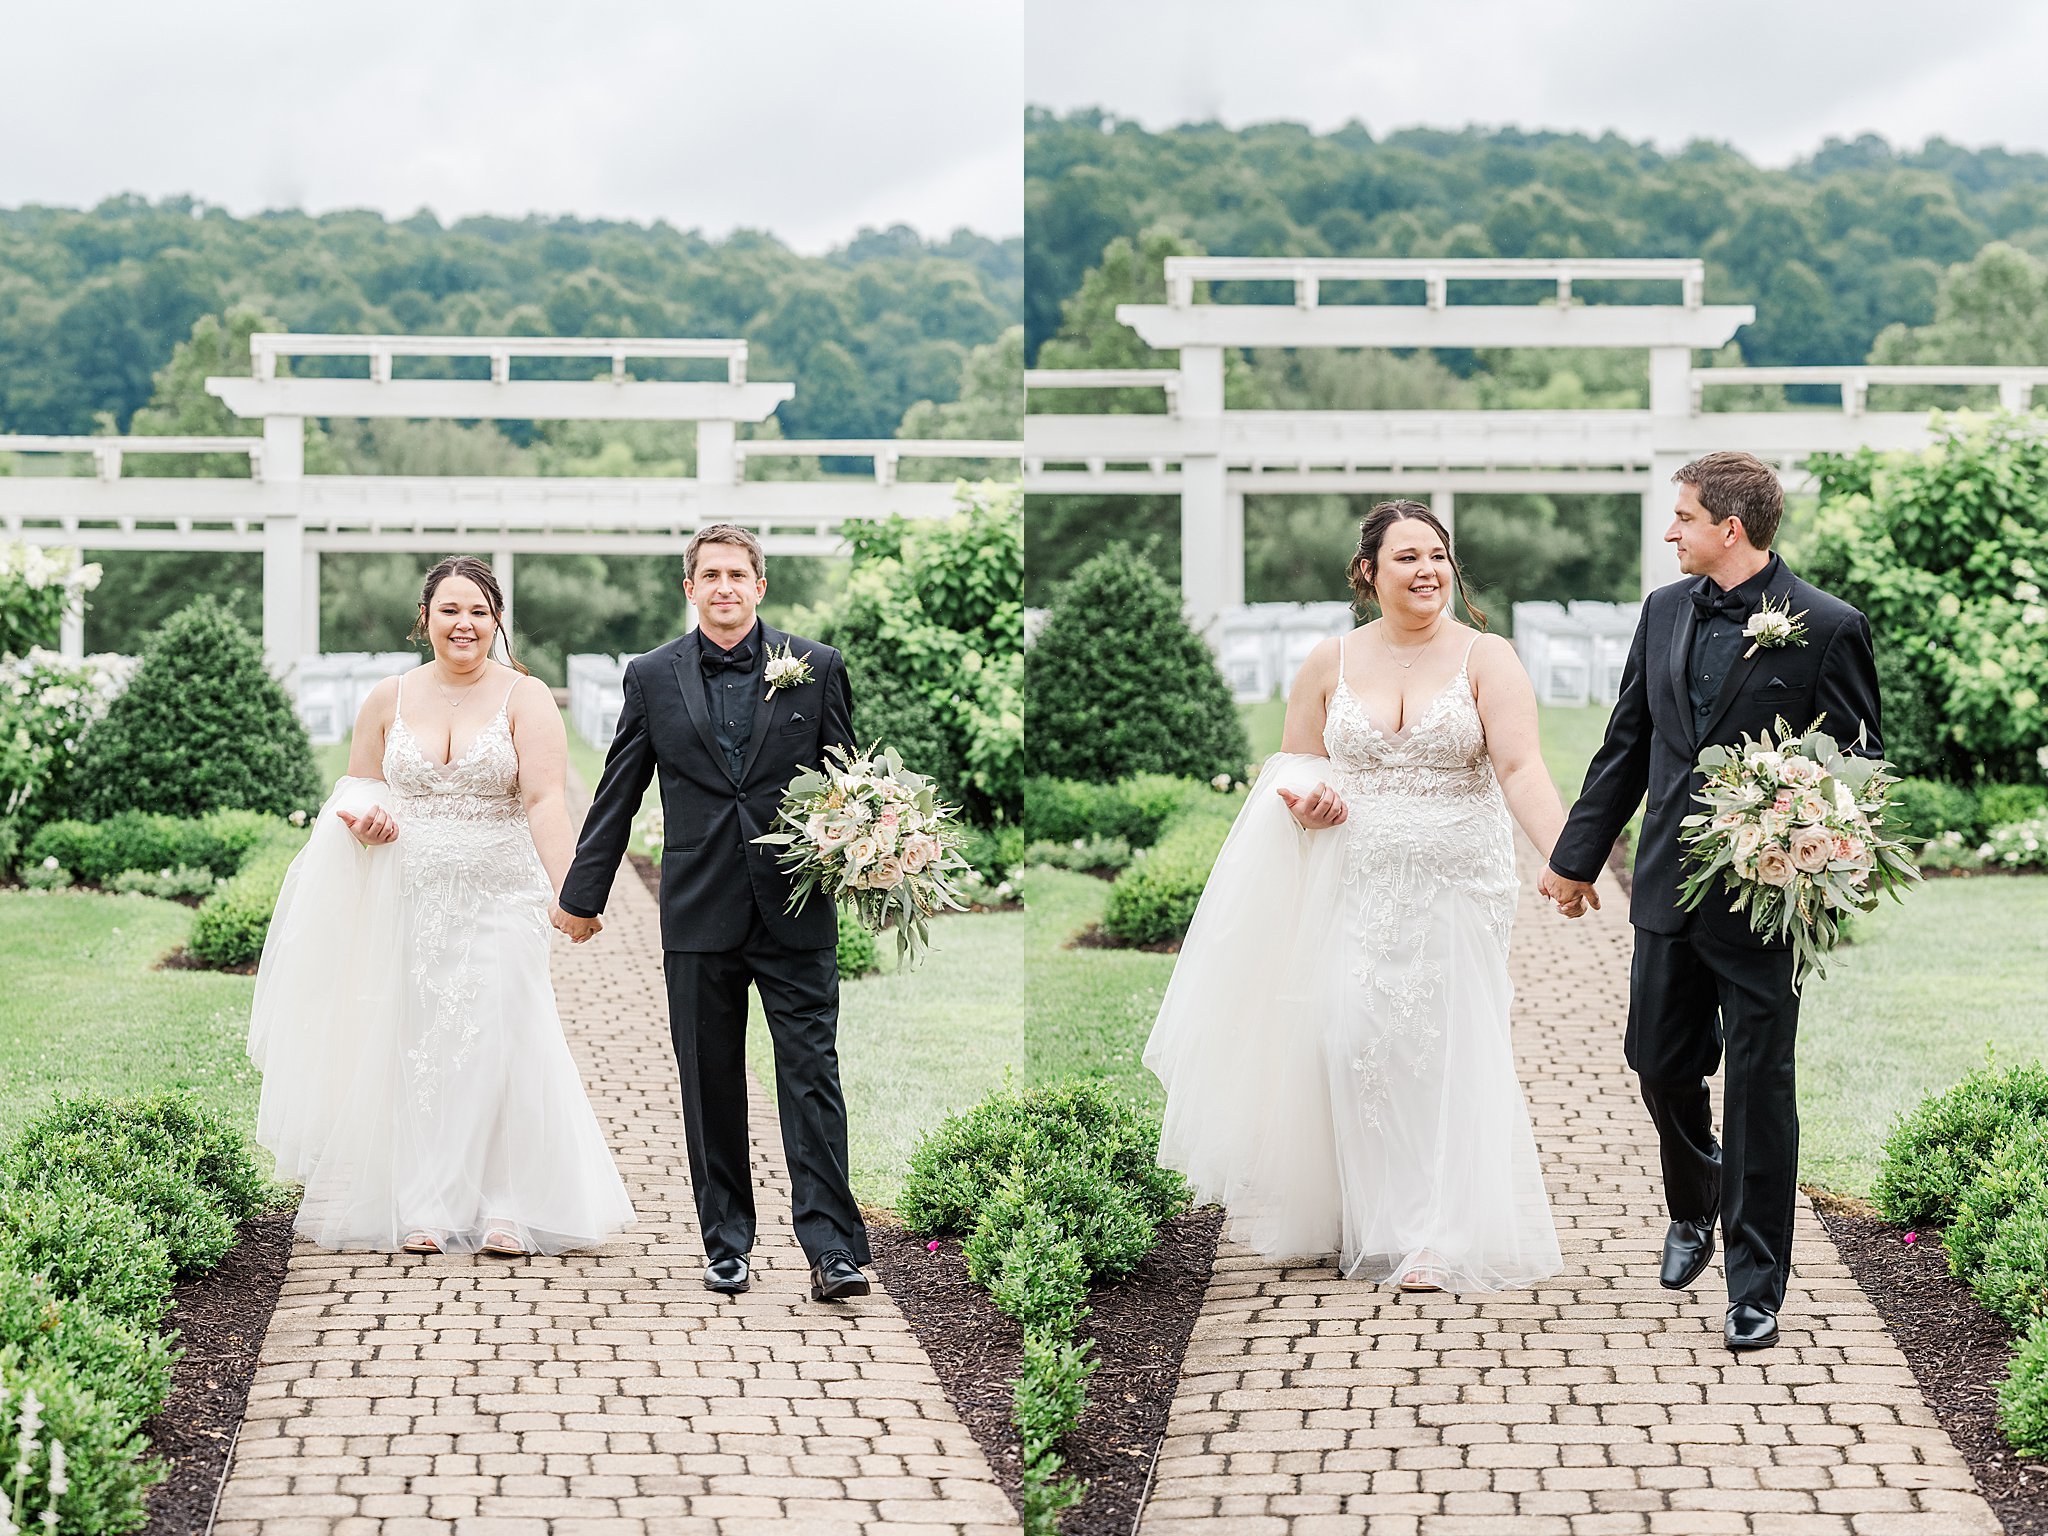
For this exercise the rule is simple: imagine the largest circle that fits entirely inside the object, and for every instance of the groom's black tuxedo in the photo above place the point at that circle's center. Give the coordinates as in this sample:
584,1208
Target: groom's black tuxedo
710,818
1702,977
1655,735
724,917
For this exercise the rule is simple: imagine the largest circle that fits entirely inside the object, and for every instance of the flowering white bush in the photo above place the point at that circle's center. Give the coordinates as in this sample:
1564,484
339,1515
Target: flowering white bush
1794,831
46,703
2018,845
37,588
873,836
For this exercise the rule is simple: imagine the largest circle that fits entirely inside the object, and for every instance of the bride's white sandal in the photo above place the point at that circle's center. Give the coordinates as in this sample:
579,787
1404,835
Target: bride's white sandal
502,1243
419,1240
1425,1276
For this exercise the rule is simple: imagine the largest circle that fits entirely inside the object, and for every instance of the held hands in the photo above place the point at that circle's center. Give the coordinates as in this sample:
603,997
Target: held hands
370,827
1320,807
578,928
1571,896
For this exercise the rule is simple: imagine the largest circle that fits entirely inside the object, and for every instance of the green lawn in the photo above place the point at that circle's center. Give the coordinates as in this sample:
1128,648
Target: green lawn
83,1011
1910,1007
914,1046
1089,1009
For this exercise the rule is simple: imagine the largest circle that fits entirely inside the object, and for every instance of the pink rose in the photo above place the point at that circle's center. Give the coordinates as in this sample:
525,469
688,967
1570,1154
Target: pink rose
1783,802
1774,866
914,857
1811,850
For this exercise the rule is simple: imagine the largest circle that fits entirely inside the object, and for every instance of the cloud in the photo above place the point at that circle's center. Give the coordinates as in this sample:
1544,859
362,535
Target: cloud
808,118
1771,78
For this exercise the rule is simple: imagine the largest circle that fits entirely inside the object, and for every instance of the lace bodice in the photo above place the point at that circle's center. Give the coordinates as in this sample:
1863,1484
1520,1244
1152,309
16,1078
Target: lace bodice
463,837
1425,820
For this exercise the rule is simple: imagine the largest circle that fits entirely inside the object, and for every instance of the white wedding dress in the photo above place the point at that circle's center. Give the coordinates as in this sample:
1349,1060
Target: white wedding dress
1334,1041
415,1075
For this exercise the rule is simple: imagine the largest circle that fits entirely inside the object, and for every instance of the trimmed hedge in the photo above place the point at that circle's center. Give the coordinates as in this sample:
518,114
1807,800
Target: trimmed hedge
1154,900
98,851
201,726
858,953
107,1476
1935,1153
1056,1187
1926,808
1137,809
88,1246
84,1281
230,926
127,1366
2023,1398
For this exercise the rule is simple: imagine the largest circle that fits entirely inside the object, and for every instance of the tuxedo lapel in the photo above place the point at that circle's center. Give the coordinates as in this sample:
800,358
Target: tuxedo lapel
690,683
1682,626
765,710
1780,591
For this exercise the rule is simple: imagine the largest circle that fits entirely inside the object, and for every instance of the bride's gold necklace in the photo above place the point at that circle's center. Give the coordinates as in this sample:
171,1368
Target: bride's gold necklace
448,694
1394,656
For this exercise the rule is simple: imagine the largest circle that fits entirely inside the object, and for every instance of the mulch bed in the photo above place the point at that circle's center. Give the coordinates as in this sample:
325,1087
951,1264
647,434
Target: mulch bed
1958,1351
182,959
220,1319
1092,937
1140,1326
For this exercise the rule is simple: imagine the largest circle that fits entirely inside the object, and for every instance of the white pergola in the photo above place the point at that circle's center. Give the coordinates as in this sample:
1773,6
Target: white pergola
1212,458
293,518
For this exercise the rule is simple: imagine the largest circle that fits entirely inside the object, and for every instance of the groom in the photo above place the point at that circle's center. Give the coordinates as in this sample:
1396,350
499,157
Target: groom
1701,980
700,712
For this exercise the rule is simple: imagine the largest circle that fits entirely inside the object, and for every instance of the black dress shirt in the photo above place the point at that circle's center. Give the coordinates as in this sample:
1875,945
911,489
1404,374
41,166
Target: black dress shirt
1717,638
732,688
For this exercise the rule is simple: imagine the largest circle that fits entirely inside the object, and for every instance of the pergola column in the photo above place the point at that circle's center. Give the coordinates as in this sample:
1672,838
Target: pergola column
71,628
309,603
1444,504
284,544
717,464
501,567
1670,410
1211,518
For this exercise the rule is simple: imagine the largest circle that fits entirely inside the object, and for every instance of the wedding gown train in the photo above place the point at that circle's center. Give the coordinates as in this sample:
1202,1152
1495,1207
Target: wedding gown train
415,1074
1334,1041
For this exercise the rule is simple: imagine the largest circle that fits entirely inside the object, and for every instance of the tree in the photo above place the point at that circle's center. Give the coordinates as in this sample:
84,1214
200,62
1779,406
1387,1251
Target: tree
1118,683
202,726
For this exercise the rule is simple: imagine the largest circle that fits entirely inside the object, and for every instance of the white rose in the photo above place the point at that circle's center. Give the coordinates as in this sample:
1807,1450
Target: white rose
1748,838
861,851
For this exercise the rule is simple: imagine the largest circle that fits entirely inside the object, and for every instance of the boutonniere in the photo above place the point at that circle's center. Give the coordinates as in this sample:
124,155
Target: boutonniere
785,670
1772,629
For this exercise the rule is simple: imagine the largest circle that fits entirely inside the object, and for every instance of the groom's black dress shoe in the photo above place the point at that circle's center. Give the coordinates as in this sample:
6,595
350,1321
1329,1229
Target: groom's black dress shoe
1751,1326
835,1277
1688,1249
727,1275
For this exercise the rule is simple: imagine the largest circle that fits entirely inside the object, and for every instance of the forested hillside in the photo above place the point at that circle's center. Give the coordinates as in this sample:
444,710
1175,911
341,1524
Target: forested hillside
92,302
1830,250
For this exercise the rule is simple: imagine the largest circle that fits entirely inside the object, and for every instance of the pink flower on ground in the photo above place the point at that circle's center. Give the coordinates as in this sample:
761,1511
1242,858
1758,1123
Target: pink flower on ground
1912,1237
932,1246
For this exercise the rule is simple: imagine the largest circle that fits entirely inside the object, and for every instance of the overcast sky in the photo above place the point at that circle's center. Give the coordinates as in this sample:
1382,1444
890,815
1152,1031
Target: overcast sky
1772,77
809,118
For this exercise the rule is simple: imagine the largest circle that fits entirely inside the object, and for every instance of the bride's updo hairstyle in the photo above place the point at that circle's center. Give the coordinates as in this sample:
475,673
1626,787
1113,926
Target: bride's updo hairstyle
1373,531
471,569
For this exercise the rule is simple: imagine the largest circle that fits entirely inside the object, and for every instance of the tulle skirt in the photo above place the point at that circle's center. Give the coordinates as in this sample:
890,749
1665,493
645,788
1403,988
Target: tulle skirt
1335,1045
415,1074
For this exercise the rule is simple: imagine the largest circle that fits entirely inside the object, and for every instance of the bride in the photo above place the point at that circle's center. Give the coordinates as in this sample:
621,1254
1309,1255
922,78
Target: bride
1334,1042
415,1076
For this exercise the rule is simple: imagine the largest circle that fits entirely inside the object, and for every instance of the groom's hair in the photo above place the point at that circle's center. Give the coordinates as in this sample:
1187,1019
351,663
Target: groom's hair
723,533
1731,484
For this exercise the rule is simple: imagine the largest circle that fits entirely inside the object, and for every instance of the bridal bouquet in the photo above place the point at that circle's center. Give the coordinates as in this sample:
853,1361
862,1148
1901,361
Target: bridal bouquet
1795,830
874,837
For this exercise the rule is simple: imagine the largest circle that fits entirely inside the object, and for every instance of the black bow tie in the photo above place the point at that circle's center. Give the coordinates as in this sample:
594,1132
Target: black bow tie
713,660
1730,604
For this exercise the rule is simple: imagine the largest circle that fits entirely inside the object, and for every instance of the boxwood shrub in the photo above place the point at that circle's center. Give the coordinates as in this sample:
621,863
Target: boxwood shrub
107,1476
124,1364
97,851
230,926
169,1126
1137,809
87,1245
1934,1153
1154,900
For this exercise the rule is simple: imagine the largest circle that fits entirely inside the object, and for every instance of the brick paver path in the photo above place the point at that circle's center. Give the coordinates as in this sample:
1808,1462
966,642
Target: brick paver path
1598,1402
605,1393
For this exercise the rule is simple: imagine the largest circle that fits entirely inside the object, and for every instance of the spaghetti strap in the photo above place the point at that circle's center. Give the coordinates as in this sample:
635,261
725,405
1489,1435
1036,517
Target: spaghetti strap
398,697
1467,659
506,702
